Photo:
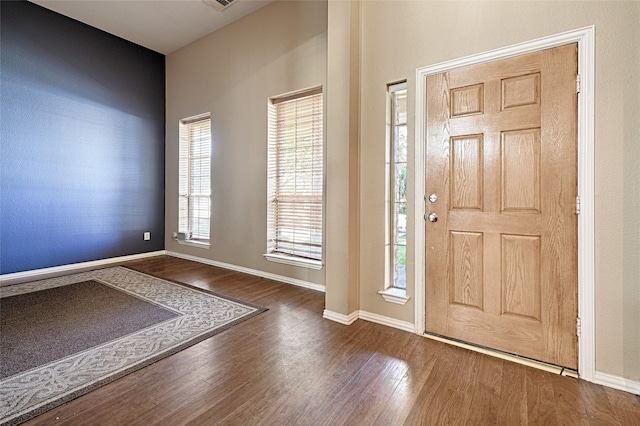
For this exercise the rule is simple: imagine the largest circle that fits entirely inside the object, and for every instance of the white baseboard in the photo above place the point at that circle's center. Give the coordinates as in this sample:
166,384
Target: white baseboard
390,322
617,382
340,318
39,274
268,275
368,316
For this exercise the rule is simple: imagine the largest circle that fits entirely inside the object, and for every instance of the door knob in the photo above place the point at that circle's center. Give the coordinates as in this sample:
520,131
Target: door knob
433,217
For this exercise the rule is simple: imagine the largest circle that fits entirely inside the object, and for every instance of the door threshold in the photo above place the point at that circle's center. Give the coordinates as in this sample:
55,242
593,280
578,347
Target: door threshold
540,365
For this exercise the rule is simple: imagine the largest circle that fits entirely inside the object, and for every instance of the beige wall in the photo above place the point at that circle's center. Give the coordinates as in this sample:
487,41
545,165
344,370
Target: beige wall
400,36
232,73
342,159
286,46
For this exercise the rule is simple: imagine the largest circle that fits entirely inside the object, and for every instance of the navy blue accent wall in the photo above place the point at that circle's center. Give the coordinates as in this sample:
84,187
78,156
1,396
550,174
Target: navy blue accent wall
81,142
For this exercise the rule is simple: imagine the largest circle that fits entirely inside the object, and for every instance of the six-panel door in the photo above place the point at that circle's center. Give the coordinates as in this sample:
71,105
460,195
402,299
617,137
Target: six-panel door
501,157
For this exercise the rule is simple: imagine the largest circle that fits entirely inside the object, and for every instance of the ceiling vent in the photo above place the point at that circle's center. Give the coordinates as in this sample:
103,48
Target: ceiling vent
219,5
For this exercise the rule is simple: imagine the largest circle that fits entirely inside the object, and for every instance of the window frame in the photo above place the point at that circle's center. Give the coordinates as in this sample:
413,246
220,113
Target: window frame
392,292
287,125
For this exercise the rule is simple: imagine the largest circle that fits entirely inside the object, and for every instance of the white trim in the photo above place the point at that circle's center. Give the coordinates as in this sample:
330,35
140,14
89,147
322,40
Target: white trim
368,316
268,275
617,382
395,295
340,318
586,191
585,37
39,274
394,87
193,243
389,322
294,261
420,202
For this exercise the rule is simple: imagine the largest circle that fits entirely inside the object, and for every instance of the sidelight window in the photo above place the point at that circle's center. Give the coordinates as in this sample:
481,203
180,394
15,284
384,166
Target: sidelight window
396,187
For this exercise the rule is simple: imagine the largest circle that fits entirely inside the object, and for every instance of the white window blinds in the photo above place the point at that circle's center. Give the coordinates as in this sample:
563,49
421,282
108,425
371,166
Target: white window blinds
195,177
295,175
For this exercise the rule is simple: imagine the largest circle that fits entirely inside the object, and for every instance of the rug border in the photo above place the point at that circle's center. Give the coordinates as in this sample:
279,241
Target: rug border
193,287
31,414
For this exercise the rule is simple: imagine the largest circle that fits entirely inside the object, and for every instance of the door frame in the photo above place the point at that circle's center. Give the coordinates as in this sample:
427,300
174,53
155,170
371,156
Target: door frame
585,37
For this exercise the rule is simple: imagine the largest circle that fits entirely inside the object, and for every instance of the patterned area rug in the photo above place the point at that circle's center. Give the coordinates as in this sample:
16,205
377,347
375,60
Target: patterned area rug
195,316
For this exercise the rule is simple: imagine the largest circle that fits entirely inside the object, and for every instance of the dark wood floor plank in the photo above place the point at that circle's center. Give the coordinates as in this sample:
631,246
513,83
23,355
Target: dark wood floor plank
305,381
569,401
456,408
593,402
431,405
512,401
329,374
363,398
487,387
625,405
289,366
420,358
541,400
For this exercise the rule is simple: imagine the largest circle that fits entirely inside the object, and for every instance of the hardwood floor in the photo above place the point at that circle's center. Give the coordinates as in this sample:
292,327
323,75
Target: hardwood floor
289,366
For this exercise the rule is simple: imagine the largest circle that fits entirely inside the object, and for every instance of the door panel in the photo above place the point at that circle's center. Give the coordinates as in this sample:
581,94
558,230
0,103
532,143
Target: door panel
501,157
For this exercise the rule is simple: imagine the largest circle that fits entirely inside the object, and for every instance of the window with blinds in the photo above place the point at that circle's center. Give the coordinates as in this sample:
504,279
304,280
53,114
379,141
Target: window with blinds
194,206
295,175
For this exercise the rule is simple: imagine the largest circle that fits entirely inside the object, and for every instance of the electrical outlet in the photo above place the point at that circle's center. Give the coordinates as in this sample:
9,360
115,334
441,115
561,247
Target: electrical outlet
147,236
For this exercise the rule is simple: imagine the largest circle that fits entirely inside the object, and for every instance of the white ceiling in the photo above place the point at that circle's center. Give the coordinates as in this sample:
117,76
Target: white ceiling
160,25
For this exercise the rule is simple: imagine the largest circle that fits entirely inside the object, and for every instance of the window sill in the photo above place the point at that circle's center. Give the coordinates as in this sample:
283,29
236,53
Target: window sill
294,261
395,295
194,243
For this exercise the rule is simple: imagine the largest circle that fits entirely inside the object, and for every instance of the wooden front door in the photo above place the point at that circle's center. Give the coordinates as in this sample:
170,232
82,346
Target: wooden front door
501,255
